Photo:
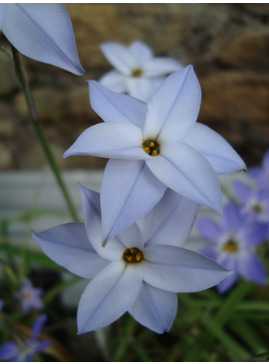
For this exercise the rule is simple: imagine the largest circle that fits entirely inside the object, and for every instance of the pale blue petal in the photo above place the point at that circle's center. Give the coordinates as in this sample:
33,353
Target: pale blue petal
92,220
173,109
114,81
128,192
242,191
119,56
143,88
154,308
252,233
43,32
38,325
214,147
68,245
159,66
9,350
184,170
114,107
108,296
109,140
265,161
227,283
170,221
2,14
231,218
131,237
209,229
179,270
140,51
250,267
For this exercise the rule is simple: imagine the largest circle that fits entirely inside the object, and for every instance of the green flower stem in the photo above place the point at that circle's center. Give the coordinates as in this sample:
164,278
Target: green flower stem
22,77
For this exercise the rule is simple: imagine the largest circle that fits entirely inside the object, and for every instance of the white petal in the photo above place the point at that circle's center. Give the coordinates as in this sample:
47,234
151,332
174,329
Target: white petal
128,192
92,216
173,109
108,296
2,14
69,246
43,32
154,308
170,221
179,270
143,88
140,51
188,173
214,147
114,81
159,66
114,107
109,140
119,56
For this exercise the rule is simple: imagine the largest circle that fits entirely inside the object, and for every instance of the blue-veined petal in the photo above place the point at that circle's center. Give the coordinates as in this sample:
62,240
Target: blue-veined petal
179,270
114,81
109,140
209,229
68,245
231,217
155,308
188,173
173,109
9,351
242,191
43,32
114,107
119,56
128,191
140,51
250,267
108,296
161,66
130,237
170,221
214,147
92,220
227,283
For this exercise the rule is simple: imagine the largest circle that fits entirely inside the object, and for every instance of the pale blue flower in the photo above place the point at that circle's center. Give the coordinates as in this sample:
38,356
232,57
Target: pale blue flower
154,146
139,271
233,239
43,32
261,173
137,72
29,296
25,350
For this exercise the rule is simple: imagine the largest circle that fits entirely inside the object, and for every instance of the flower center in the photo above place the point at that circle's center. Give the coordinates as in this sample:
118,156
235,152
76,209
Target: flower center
256,207
132,255
230,246
151,147
136,72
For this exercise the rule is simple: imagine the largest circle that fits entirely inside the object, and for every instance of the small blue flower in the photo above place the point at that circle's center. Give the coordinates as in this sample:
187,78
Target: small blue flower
25,350
232,242
43,32
29,296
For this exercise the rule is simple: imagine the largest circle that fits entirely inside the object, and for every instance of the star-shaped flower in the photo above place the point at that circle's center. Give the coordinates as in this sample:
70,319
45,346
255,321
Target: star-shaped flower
29,296
139,271
154,146
25,350
232,242
43,32
137,72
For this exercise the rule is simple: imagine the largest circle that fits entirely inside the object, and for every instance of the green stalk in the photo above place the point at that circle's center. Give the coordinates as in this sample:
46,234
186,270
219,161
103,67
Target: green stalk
33,117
